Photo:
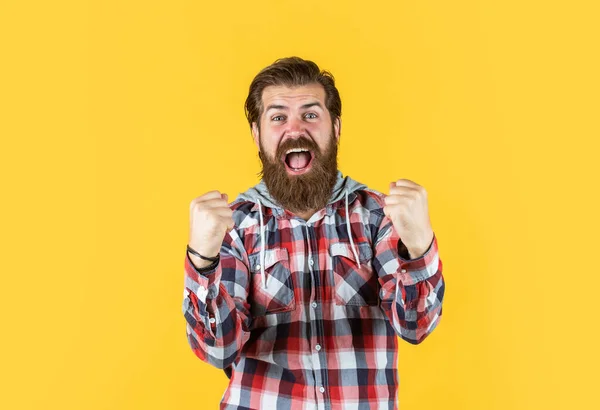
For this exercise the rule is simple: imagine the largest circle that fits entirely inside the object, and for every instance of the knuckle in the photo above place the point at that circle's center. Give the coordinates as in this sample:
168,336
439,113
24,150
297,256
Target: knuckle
210,194
194,205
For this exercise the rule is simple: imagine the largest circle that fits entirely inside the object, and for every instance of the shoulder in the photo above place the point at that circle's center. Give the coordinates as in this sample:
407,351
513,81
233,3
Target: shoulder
371,199
242,211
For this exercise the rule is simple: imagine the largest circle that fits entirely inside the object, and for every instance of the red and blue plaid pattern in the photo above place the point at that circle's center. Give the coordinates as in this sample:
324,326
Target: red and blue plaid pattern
321,332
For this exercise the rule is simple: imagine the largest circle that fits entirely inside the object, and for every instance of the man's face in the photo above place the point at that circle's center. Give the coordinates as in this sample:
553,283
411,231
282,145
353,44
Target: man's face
296,118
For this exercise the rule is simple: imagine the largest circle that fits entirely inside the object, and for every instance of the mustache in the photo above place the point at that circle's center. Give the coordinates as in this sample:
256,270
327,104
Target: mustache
300,142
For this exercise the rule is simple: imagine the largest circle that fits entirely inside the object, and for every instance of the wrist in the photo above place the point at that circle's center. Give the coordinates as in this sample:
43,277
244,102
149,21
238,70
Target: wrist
198,263
417,252
202,262
414,254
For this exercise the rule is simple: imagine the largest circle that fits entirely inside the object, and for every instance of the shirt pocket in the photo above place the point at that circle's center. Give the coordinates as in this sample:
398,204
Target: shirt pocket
353,285
278,294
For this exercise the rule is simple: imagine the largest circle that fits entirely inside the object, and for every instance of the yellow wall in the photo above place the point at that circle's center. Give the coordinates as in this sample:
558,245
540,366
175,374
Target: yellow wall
114,116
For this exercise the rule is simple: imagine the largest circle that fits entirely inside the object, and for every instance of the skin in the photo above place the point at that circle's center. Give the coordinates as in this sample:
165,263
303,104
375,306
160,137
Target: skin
406,206
277,125
293,120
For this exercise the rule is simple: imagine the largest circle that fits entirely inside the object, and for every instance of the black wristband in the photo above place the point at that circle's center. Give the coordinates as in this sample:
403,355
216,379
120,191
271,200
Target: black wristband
206,258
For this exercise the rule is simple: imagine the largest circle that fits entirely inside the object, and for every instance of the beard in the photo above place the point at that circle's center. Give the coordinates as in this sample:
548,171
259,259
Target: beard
304,192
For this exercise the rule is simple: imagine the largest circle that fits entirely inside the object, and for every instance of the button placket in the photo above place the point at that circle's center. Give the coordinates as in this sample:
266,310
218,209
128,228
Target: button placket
317,358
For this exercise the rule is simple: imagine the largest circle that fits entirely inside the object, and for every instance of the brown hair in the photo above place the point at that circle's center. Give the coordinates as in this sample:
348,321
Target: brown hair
291,72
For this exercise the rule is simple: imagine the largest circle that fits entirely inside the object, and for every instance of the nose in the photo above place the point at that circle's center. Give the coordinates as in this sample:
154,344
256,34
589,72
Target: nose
295,128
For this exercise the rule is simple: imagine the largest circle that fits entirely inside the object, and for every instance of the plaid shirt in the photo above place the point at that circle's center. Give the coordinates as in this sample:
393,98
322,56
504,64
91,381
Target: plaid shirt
296,320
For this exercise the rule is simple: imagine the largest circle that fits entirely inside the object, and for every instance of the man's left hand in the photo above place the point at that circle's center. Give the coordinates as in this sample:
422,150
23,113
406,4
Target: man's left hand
406,206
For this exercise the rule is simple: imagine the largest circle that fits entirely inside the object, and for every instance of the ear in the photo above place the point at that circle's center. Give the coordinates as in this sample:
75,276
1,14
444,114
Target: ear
337,126
255,134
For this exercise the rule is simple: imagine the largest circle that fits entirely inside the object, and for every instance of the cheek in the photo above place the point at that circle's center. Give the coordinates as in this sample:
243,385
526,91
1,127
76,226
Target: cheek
323,136
269,144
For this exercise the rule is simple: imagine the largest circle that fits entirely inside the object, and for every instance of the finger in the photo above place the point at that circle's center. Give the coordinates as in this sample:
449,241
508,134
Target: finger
209,195
404,182
229,222
215,203
403,190
224,211
397,199
388,210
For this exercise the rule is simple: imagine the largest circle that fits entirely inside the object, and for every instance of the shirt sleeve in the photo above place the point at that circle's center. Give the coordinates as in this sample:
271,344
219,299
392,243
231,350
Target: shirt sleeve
412,290
215,304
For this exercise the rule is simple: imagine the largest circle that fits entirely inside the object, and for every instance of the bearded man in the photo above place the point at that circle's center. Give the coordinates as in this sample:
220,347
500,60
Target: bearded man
300,287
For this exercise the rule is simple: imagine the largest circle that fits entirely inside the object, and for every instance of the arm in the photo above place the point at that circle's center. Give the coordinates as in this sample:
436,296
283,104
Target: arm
215,304
412,290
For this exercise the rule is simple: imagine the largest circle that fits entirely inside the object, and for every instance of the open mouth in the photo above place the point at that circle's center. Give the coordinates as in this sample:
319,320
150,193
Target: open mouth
298,160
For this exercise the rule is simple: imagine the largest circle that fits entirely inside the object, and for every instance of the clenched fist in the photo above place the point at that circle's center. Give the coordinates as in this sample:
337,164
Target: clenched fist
406,206
210,219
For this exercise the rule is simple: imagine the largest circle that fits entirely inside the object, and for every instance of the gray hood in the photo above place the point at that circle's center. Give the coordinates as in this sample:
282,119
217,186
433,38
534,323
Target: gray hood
260,195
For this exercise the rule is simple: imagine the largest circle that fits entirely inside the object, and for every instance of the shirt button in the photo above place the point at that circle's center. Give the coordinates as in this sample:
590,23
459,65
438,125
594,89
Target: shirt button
212,320
322,389
257,267
311,262
403,271
318,347
314,304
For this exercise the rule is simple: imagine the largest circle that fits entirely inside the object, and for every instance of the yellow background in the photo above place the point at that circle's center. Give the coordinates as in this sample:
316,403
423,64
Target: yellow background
115,115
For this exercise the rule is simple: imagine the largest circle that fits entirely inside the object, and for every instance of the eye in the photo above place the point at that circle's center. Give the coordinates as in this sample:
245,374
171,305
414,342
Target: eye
312,113
277,116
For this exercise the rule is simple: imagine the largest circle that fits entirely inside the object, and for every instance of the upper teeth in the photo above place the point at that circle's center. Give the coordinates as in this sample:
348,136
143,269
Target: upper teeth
296,150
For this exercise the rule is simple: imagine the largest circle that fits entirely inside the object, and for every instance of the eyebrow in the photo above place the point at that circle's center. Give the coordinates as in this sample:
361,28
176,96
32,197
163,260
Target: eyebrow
283,107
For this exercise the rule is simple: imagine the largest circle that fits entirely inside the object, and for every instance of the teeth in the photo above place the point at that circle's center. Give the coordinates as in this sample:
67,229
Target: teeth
296,150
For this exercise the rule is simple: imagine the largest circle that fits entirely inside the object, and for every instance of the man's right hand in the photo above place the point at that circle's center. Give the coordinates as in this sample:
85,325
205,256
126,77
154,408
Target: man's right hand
210,220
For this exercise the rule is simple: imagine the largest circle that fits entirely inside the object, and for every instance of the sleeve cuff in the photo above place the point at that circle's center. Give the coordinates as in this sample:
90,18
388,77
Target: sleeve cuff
405,255
203,282
418,269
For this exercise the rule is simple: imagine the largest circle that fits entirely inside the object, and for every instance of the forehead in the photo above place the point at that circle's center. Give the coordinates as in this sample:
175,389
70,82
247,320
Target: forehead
293,95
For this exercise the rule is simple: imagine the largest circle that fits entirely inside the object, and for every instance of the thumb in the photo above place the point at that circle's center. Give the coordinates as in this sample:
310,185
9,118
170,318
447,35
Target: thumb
386,211
230,224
